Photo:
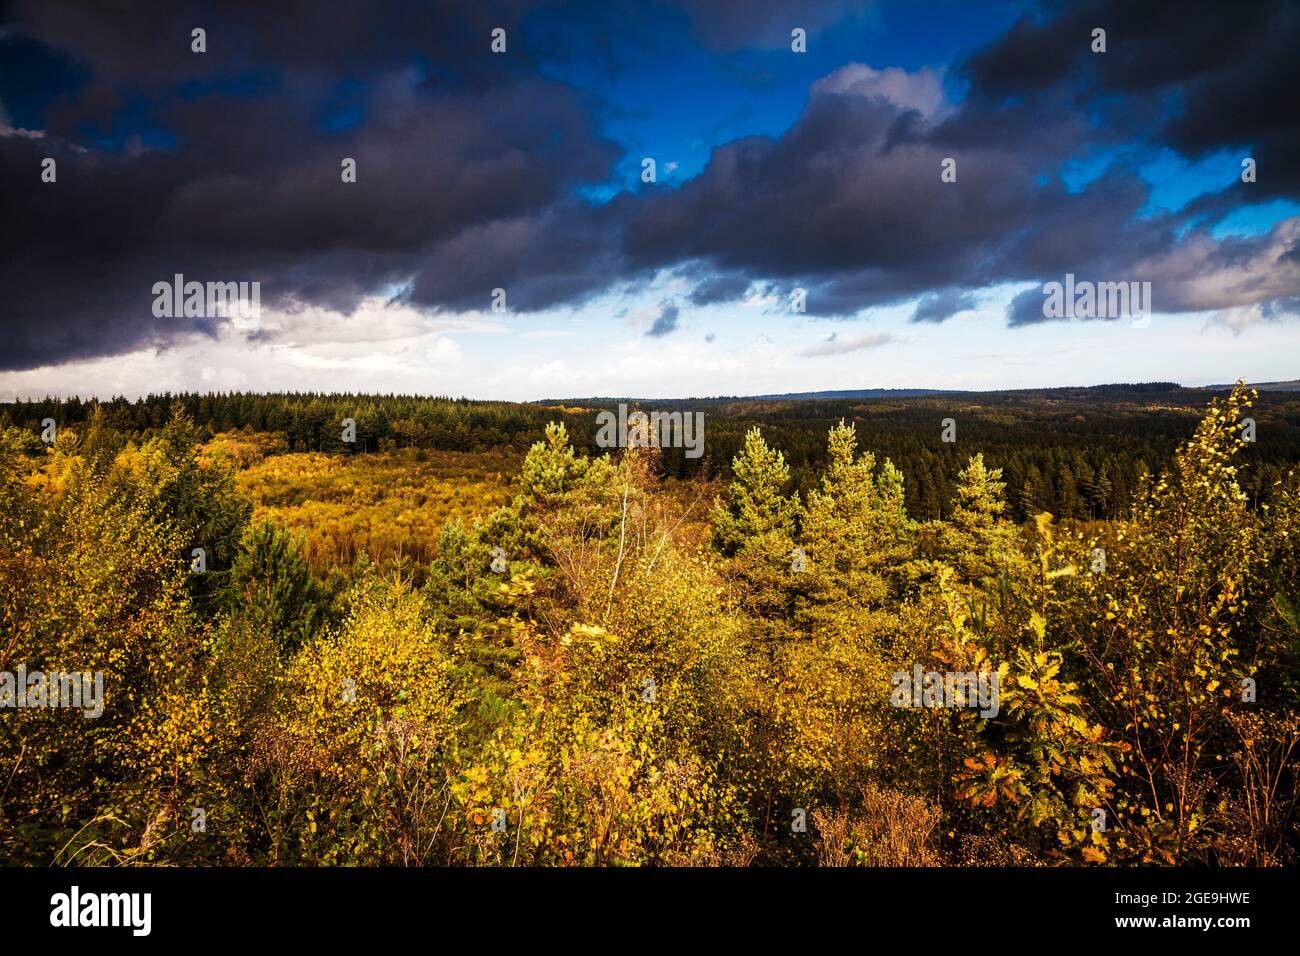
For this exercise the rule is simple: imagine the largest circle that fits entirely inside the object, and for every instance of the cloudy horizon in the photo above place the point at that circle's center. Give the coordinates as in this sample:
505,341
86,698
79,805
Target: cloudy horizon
877,202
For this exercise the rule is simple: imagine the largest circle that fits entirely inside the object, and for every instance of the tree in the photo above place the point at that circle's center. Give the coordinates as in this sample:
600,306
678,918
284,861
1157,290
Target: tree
758,516
756,527
1170,631
978,543
271,585
855,530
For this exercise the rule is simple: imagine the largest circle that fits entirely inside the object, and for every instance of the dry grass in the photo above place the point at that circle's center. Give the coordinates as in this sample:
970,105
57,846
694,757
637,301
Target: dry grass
888,828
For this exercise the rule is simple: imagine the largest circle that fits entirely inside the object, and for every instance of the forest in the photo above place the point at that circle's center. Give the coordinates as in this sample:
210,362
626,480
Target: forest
473,638
1075,452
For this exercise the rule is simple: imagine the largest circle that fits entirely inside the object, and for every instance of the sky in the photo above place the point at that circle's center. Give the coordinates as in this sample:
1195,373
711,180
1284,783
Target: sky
868,194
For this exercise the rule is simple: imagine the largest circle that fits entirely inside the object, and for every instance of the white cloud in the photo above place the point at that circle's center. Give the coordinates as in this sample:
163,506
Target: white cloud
834,345
921,91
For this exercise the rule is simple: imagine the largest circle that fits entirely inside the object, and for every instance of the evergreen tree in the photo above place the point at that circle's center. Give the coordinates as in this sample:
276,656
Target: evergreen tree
978,541
758,515
757,527
271,585
853,530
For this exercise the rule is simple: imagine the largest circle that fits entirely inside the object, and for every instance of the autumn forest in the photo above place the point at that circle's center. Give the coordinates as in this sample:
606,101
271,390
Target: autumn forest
470,636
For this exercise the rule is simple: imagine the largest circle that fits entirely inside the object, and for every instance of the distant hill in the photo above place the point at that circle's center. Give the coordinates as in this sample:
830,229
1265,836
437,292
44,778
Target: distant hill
851,393
1064,391
1121,391
1139,389
856,393
1292,386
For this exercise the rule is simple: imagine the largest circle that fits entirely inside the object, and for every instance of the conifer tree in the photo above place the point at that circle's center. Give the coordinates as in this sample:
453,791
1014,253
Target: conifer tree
272,586
979,542
854,528
757,526
758,513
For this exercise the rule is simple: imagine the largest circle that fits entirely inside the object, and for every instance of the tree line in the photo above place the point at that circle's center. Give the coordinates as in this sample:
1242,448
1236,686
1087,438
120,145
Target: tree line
1077,453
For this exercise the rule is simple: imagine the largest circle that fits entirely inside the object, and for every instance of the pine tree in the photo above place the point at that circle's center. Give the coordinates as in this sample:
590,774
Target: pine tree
758,514
756,527
854,528
978,542
271,585
1031,498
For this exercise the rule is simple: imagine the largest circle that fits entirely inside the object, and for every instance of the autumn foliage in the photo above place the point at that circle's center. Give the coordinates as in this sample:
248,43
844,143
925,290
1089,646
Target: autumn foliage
590,663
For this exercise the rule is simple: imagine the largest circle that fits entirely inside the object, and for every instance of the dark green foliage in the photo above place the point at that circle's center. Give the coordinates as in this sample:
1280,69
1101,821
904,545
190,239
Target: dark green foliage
272,587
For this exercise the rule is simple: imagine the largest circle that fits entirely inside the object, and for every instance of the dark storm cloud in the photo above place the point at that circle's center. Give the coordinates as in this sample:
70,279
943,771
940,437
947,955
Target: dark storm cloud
713,289
849,205
1026,308
563,255
78,257
941,306
665,322
252,189
225,167
1199,274
144,43
1231,69
846,207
